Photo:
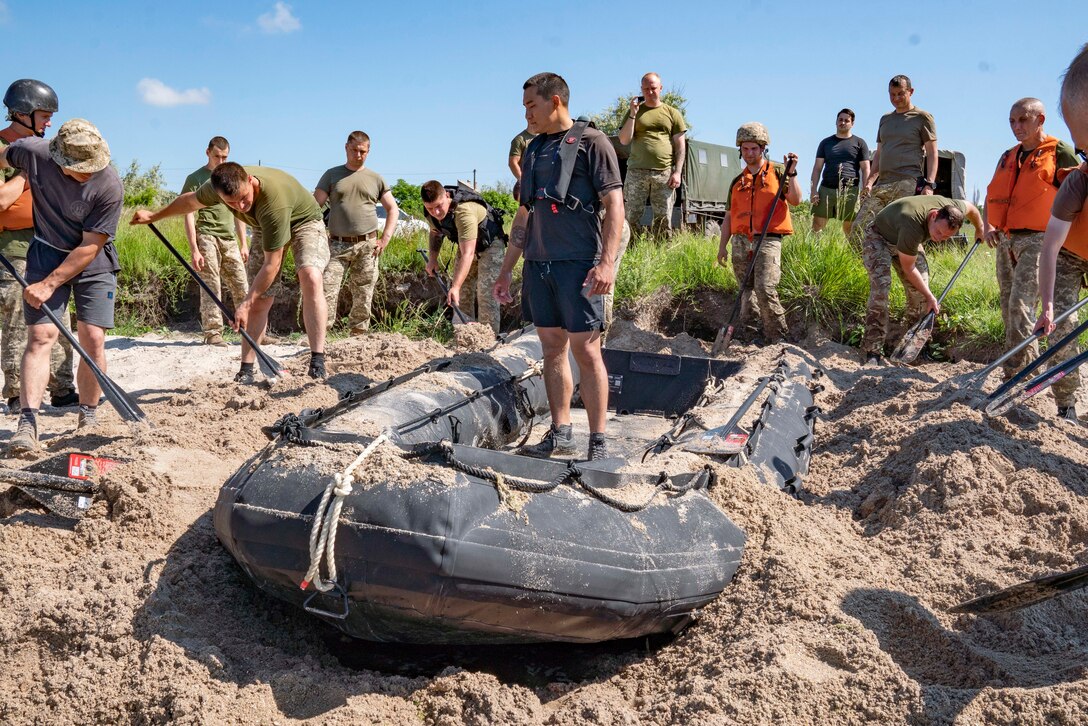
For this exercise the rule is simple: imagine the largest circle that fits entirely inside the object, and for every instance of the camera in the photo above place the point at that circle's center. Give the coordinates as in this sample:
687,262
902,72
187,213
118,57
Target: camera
641,99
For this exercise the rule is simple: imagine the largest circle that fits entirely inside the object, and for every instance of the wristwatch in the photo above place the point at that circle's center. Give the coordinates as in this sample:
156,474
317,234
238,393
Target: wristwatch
931,184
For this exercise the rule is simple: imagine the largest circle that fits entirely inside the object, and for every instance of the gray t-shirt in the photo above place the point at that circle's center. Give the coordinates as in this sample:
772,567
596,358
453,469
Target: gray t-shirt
64,209
841,159
556,232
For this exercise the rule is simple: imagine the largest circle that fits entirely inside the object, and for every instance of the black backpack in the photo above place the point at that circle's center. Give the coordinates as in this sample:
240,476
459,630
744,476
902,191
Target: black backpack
559,188
490,230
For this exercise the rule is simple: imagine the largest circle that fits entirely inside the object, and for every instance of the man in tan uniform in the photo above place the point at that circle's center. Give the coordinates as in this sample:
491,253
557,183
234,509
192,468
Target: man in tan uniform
30,105
513,160
352,192
216,251
905,161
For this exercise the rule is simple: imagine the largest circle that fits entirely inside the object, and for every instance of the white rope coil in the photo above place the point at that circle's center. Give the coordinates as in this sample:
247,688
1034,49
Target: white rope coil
326,519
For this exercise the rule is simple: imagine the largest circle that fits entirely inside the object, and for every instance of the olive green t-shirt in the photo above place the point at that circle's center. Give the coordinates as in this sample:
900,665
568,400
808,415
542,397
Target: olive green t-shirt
215,220
281,205
904,224
352,199
901,137
467,217
651,147
519,142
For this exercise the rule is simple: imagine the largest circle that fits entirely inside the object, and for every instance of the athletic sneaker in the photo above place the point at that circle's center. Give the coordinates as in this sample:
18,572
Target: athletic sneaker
88,419
25,440
63,400
598,447
558,441
245,377
317,369
1069,413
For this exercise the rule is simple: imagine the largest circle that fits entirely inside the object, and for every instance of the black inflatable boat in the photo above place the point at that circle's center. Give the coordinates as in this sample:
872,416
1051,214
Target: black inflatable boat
472,543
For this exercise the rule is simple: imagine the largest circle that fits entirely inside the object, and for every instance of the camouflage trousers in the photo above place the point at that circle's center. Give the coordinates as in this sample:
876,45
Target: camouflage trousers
652,183
881,196
1018,285
479,303
1068,281
13,340
880,258
222,262
352,264
761,300
606,300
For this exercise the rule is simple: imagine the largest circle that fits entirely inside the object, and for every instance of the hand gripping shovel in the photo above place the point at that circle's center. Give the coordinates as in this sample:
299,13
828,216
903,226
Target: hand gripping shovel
972,380
725,333
1026,593
917,337
459,318
117,397
270,367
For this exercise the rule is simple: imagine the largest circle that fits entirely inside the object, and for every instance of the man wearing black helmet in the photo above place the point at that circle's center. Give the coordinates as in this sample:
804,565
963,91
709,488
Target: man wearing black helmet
31,105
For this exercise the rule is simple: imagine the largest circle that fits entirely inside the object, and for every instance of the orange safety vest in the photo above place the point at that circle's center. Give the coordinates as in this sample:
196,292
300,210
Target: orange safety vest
19,215
1020,194
1076,242
751,199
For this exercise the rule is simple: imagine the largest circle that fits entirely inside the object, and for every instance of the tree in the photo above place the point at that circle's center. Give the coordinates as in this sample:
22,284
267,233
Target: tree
612,118
145,189
408,199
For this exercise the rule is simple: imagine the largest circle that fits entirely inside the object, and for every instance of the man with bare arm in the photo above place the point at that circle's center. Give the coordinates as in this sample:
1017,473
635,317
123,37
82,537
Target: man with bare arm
569,258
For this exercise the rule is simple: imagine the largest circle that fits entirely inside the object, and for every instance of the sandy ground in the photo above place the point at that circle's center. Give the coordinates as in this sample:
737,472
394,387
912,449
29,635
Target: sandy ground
915,502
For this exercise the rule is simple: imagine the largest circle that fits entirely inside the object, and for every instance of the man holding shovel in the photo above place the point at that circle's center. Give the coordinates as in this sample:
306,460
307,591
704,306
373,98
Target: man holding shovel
753,209
281,213
77,199
1017,209
894,241
1063,261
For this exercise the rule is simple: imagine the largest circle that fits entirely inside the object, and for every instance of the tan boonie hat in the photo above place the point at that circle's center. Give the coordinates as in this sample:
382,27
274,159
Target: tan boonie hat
79,147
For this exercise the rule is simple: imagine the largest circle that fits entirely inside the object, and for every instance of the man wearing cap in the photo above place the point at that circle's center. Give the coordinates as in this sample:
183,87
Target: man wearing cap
217,256
31,105
77,199
751,209
281,213
353,192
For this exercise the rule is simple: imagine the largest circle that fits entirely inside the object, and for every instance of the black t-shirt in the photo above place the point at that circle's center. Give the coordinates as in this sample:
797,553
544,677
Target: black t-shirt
556,232
842,156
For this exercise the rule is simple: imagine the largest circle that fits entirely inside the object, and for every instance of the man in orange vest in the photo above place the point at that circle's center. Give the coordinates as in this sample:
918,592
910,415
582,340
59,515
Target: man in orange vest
31,105
751,196
1063,261
1018,202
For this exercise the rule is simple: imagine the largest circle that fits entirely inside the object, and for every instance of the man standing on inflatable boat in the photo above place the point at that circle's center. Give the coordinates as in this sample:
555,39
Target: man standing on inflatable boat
568,171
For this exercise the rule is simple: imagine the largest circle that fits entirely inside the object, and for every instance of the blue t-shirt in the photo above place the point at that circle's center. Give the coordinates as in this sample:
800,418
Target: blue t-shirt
64,209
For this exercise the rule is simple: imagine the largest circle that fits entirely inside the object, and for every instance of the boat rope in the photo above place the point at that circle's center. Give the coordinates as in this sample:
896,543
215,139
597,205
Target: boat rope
326,519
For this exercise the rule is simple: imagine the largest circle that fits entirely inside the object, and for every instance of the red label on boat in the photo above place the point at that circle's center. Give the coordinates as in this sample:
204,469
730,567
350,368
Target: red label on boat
83,466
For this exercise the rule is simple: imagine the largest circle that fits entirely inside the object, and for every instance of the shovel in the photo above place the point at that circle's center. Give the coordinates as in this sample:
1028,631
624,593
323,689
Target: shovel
1026,593
1001,404
126,407
917,337
459,318
68,496
729,438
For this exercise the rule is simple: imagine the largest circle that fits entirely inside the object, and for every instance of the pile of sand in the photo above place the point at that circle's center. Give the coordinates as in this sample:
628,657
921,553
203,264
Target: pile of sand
837,615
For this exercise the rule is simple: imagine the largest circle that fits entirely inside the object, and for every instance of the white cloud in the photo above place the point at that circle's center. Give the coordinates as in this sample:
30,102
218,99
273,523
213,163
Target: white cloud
4,14
280,20
156,93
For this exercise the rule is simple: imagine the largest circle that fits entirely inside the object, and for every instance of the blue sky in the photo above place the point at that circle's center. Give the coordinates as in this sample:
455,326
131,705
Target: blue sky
438,85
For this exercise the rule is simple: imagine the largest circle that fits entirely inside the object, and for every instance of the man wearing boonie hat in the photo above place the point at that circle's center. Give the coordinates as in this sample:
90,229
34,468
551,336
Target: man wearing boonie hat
77,199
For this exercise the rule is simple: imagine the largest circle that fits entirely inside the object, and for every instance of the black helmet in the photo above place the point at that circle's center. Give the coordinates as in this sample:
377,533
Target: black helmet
27,96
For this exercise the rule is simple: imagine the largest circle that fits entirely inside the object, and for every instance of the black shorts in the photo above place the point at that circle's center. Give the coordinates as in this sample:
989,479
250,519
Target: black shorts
552,296
94,292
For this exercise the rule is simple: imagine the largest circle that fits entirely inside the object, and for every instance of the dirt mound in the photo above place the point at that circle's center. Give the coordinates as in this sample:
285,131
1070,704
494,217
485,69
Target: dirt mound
838,614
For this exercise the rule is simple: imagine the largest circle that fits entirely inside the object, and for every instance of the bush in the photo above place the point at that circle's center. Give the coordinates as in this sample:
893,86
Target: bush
145,188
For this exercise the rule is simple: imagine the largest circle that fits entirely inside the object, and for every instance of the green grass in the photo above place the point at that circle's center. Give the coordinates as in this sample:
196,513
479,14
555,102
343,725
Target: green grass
822,279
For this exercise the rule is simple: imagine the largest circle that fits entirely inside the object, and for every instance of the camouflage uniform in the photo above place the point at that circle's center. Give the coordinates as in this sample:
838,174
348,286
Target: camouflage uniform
1068,281
762,298
1018,283
881,196
362,276
606,300
222,261
652,183
476,298
13,339
309,245
880,258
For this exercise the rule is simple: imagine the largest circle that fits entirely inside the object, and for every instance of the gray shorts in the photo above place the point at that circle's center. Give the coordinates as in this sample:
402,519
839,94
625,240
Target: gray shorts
94,295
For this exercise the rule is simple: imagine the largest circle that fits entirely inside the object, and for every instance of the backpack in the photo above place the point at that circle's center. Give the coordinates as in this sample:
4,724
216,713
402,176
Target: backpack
559,189
490,230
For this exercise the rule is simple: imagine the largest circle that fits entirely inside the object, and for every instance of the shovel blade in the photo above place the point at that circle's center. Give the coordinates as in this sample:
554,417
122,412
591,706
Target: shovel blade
912,344
719,442
1025,594
69,505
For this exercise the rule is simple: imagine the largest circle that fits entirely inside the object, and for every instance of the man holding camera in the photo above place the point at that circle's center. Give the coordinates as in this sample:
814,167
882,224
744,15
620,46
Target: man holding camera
655,131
